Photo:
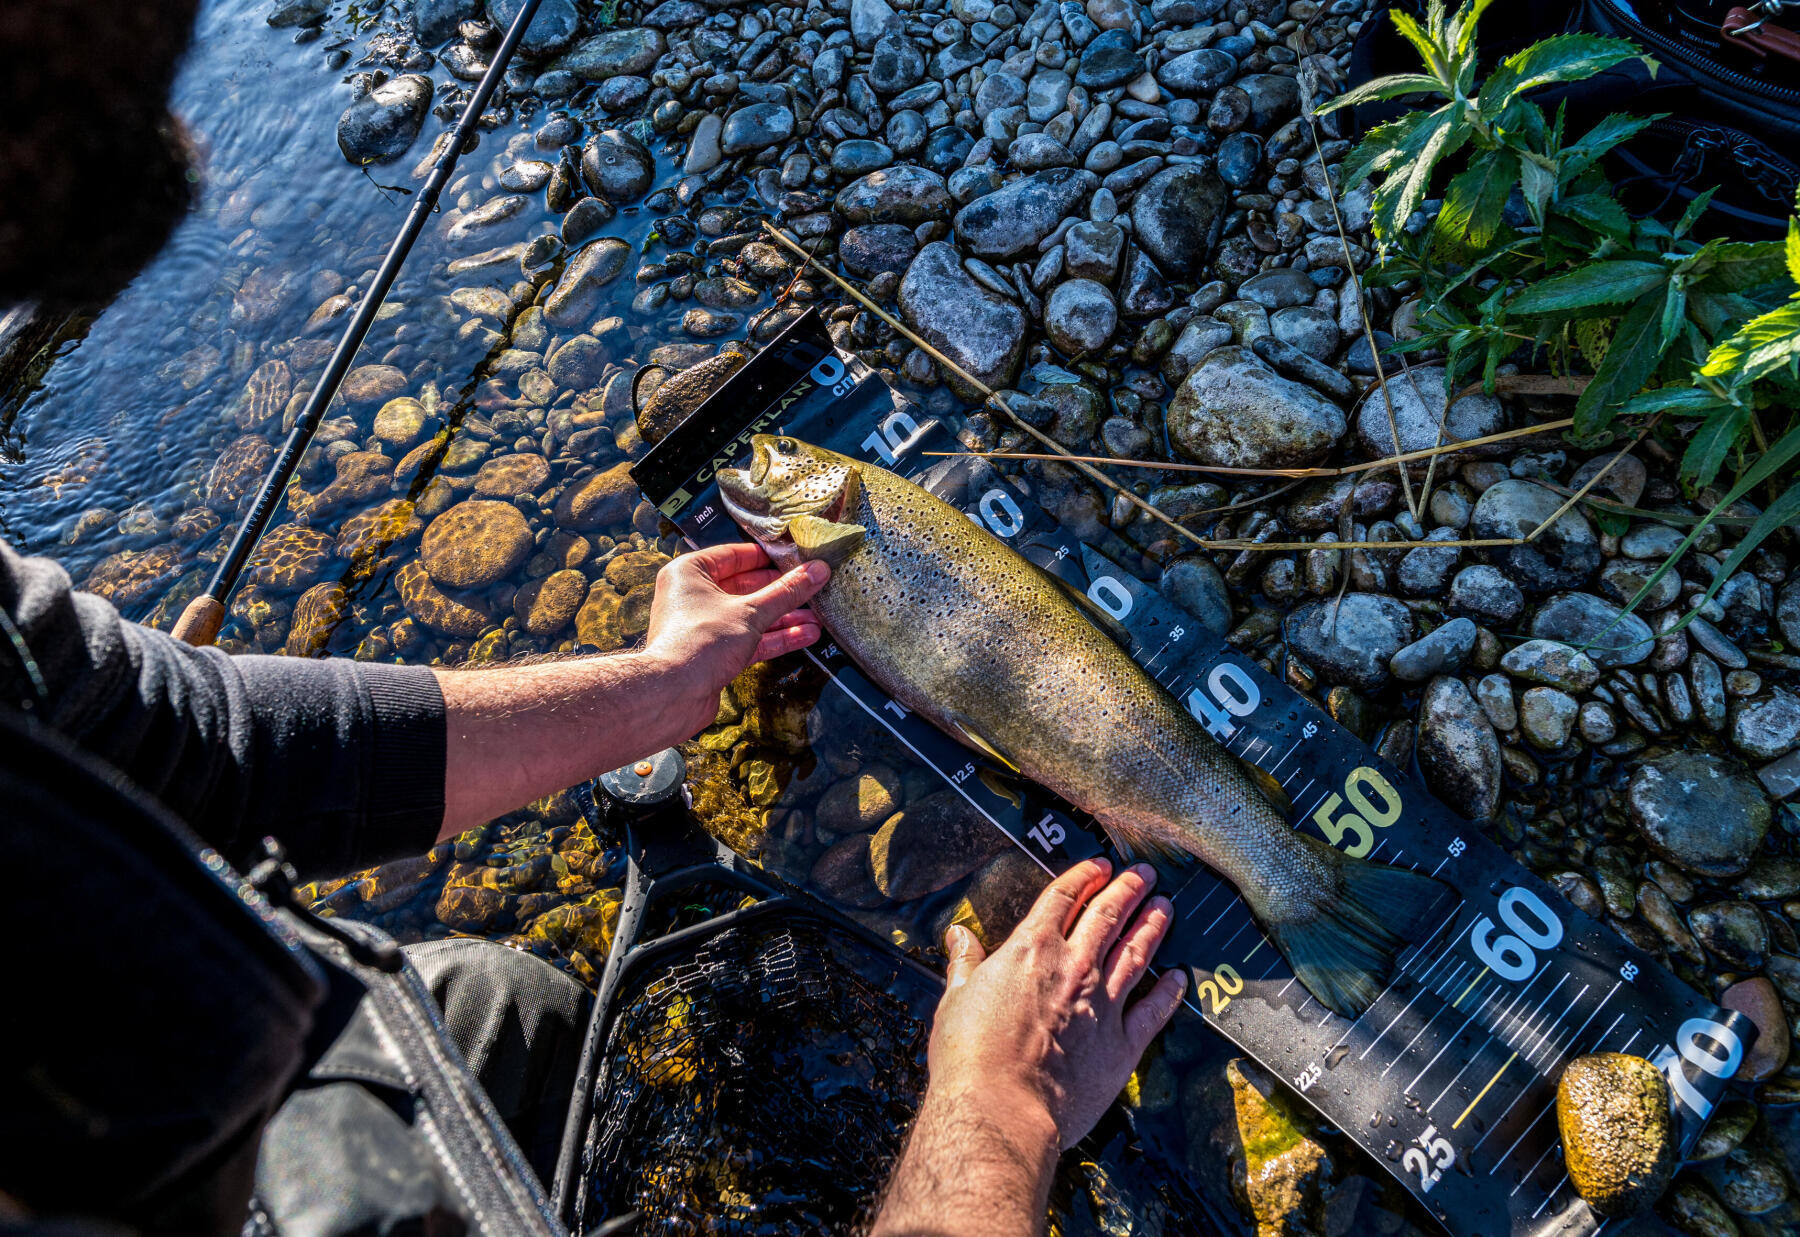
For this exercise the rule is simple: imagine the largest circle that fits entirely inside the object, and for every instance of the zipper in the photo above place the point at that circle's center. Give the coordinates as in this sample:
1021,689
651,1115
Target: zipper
1684,54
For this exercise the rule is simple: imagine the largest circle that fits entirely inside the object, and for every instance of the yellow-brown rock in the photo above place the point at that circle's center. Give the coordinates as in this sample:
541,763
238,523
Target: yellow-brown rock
361,476
602,500
1285,1171
1618,1141
133,576
369,534
597,622
631,568
265,395
634,614
289,559
317,614
475,543
401,421
239,471
545,606
507,475
436,609
372,384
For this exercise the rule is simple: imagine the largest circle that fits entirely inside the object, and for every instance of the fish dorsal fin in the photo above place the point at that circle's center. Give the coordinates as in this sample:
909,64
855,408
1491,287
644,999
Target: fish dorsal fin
1090,609
825,539
975,739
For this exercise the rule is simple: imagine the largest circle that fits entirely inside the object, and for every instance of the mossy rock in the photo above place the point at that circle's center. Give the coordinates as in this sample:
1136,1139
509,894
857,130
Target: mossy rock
507,475
436,609
1618,1142
602,500
290,559
475,543
1285,1171
628,570
546,606
317,615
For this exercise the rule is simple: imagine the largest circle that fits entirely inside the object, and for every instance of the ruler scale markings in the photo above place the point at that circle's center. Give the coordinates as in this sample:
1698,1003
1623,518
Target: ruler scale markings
1529,1126
1202,902
1440,866
1544,1043
1284,757
1555,1144
1457,1124
1449,978
1260,942
1472,983
1414,1039
1551,1195
1449,945
1390,1026
1473,1014
1235,903
1226,944
1484,1047
1522,1024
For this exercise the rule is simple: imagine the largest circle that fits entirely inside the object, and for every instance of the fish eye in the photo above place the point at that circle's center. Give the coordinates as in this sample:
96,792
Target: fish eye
787,446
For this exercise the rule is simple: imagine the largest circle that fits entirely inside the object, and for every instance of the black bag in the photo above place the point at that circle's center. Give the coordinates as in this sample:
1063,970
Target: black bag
170,1038
1733,122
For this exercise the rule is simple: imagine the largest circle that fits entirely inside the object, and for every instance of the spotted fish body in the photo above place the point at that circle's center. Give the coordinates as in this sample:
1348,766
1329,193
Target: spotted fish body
961,629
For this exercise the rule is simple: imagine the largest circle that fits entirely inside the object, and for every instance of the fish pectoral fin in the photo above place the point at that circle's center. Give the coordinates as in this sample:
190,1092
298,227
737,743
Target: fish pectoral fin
1133,845
975,739
1090,609
825,539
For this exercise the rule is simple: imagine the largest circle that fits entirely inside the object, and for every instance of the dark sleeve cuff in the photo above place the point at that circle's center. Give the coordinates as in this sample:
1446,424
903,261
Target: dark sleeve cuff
404,801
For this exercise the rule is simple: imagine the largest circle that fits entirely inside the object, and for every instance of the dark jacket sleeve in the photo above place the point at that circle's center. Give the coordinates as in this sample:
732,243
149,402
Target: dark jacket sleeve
343,761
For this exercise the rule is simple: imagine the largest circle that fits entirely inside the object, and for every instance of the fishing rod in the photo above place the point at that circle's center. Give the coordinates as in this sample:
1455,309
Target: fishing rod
200,621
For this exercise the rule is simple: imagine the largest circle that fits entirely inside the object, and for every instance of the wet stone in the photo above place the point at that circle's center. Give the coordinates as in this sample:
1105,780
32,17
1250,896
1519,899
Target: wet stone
1457,749
1596,626
436,609
1698,811
1195,584
1733,932
1758,1001
507,475
860,803
577,294
1765,728
1553,663
1080,316
289,558
1613,1114
1176,217
318,612
1352,642
930,845
600,500
981,331
1563,557
1234,411
1009,222
1441,651
615,53
1485,593
381,126
616,166
544,607
903,195
1547,716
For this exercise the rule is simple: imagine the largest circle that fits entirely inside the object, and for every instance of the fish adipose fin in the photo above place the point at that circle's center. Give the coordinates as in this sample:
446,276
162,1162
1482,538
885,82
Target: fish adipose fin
1345,953
824,539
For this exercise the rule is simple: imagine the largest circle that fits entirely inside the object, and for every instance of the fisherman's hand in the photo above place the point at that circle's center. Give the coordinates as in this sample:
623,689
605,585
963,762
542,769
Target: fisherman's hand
719,610
1044,1026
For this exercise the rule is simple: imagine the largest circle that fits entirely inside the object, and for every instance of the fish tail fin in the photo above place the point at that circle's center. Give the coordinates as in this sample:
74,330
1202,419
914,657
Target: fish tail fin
1345,952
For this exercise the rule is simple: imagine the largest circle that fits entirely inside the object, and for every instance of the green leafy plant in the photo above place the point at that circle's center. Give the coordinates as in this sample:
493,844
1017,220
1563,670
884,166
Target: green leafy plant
1530,258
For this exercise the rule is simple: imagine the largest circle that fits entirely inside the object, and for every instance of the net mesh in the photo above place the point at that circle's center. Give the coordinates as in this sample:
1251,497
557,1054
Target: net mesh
761,1085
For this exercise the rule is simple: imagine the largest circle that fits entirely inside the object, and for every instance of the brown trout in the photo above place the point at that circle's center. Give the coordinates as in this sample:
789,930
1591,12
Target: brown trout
965,631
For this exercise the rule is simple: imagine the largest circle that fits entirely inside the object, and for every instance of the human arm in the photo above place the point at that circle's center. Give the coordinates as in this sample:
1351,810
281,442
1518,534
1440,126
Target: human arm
1028,1049
514,734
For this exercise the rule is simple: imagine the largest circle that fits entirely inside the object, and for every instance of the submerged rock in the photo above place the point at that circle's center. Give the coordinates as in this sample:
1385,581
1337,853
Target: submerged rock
475,543
1285,1170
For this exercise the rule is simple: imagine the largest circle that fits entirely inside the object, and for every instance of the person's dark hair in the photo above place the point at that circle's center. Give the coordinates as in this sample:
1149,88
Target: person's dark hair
94,171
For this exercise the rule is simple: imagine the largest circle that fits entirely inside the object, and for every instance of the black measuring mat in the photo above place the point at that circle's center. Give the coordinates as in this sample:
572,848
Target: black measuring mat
1449,1078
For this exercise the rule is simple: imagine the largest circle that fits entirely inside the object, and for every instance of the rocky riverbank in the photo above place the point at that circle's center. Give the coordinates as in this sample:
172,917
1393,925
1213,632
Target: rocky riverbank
1121,215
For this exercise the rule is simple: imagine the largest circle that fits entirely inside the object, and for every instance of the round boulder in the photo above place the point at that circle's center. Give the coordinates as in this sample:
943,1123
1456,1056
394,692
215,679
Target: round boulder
1417,399
1233,411
475,543
1698,811
616,166
1176,217
601,500
1080,317
1351,642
